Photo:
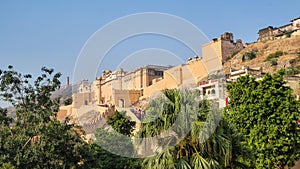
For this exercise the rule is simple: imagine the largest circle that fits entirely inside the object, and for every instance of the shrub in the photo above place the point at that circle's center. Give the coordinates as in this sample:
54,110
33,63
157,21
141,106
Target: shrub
292,70
274,62
250,55
275,55
288,34
68,101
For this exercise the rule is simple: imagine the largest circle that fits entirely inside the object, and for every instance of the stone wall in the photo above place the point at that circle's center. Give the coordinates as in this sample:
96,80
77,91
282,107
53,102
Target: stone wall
228,48
80,99
186,75
125,98
223,47
293,82
213,48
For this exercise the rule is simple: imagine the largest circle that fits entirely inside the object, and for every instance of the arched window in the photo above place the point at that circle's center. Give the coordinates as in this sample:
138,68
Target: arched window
213,91
121,103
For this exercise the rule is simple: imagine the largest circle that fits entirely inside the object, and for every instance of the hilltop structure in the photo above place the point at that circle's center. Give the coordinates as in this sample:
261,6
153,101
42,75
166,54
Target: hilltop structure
94,102
271,33
224,46
123,89
245,70
120,89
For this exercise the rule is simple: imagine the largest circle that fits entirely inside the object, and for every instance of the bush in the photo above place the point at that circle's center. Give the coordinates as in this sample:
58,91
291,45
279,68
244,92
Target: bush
288,34
274,62
292,70
250,55
277,54
68,101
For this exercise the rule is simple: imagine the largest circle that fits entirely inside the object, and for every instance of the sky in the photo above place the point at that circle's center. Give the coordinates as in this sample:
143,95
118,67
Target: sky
35,33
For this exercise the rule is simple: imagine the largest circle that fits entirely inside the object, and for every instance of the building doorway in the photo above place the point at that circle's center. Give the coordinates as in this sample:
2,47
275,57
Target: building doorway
121,103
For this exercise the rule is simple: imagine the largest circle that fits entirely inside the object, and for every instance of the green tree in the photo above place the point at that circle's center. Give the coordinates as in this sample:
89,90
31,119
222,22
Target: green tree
68,101
265,112
35,139
4,119
7,166
121,123
201,146
114,139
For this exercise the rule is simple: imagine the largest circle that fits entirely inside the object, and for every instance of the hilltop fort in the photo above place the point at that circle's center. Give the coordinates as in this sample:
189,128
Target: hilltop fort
94,102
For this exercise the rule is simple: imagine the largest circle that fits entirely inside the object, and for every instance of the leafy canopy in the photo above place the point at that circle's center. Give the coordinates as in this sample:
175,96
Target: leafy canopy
208,141
111,142
35,138
265,112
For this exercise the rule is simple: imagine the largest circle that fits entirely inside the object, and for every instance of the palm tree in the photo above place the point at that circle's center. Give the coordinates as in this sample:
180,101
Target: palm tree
203,140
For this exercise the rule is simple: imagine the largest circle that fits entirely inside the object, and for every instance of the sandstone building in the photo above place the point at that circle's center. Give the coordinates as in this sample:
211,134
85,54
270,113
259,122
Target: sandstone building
120,89
271,33
124,88
224,46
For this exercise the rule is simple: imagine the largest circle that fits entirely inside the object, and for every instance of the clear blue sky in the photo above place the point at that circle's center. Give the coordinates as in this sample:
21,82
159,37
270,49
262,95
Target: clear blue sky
51,33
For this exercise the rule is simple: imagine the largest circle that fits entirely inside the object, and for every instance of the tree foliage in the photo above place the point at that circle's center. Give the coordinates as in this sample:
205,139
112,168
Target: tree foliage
266,113
68,101
115,139
108,144
249,55
202,146
36,139
277,54
121,123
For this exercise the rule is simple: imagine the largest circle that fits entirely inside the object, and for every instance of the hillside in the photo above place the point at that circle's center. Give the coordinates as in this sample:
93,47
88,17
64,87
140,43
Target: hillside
65,92
271,55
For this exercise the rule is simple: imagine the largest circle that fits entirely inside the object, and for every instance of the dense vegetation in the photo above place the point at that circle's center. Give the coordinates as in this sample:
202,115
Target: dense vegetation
35,139
203,140
265,112
258,130
116,140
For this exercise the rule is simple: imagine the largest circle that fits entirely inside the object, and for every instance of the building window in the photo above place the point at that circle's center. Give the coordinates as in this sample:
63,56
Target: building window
213,92
121,103
158,73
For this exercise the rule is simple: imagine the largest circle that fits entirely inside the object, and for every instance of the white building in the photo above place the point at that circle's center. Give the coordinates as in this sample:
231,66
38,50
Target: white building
246,70
214,90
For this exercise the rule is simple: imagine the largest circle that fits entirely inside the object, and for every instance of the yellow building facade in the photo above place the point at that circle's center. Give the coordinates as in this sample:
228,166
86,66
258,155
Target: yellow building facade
123,89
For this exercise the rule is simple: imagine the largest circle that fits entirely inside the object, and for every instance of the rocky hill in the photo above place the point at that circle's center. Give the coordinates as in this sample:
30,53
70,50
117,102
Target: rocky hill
271,55
65,92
